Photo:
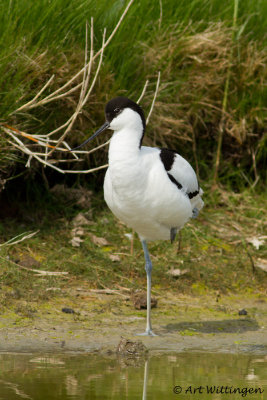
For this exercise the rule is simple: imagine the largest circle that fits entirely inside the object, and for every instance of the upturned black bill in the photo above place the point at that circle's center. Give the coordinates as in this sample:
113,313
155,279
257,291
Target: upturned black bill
101,129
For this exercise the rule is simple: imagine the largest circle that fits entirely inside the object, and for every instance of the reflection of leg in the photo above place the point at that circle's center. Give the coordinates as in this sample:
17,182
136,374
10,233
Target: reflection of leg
148,268
145,380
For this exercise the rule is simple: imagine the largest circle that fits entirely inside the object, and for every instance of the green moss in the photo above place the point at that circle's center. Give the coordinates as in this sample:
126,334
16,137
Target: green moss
187,332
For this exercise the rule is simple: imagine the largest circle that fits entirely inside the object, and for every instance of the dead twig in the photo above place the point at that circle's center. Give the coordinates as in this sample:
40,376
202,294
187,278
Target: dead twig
85,86
36,271
47,143
84,95
108,291
54,96
42,272
154,98
19,238
143,92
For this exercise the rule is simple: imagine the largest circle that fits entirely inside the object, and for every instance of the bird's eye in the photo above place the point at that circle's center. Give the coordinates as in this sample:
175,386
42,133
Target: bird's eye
117,110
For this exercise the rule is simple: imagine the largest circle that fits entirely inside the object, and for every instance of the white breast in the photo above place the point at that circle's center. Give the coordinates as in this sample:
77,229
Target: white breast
139,192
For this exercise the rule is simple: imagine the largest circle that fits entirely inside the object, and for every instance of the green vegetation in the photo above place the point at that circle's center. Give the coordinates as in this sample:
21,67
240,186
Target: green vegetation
215,252
195,45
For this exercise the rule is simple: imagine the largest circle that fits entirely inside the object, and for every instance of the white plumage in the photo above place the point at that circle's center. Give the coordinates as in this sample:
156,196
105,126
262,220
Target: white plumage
141,194
153,191
137,188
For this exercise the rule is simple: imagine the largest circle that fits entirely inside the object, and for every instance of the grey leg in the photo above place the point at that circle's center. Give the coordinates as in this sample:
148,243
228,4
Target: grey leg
195,212
173,234
148,268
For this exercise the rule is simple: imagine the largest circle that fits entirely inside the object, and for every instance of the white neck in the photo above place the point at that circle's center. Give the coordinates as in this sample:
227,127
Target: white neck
124,158
128,131
124,148
124,144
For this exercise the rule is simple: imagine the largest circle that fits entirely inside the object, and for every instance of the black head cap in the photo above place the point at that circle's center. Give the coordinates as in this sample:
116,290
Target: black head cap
115,106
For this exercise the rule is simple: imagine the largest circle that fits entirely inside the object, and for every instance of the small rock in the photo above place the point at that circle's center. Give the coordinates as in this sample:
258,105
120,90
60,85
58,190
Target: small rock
68,310
99,241
175,273
127,347
80,220
129,236
114,257
257,241
140,301
77,231
28,262
218,296
242,312
76,241
262,264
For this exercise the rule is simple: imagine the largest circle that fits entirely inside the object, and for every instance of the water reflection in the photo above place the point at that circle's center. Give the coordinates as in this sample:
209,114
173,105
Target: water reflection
145,380
79,377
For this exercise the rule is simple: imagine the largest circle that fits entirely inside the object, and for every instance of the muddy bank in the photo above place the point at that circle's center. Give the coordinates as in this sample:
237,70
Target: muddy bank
98,322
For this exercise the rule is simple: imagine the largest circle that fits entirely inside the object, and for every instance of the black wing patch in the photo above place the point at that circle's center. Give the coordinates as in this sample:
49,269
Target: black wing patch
167,157
175,181
193,194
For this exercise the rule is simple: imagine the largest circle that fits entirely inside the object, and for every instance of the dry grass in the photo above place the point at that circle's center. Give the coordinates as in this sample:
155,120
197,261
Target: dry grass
87,78
194,110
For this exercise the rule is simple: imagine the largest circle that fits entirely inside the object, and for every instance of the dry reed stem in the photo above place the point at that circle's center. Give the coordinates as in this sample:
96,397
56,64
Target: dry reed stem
45,140
27,105
54,96
37,271
154,98
87,71
20,146
42,140
19,238
85,93
143,92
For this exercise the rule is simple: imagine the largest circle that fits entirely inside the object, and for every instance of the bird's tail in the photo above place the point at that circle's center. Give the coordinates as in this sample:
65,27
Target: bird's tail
197,204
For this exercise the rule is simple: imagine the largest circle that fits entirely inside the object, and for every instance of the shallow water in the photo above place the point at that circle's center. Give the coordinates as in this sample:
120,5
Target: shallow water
94,376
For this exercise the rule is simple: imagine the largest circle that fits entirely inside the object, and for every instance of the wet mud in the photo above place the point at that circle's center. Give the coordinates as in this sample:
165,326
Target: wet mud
97,323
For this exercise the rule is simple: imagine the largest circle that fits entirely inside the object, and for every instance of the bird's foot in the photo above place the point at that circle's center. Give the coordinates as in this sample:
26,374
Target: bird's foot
148,332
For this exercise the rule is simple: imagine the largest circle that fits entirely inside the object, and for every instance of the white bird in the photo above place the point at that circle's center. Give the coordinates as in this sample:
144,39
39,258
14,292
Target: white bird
154,191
